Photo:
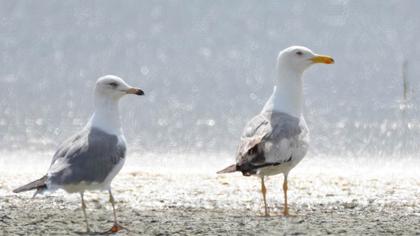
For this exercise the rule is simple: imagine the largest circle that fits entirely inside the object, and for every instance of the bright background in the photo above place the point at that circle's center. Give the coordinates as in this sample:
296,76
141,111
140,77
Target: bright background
207,67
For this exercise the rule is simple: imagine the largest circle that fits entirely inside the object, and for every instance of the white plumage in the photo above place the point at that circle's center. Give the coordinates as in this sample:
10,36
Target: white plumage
90,159
277,139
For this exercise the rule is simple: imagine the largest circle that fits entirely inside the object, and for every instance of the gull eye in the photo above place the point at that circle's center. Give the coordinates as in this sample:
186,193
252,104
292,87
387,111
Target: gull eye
299,53
113,84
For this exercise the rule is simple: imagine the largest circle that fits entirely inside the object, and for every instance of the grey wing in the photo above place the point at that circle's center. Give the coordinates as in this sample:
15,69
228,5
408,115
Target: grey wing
266,141
88,156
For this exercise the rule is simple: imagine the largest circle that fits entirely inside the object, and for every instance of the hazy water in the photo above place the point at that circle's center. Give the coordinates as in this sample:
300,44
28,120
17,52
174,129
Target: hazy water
207,67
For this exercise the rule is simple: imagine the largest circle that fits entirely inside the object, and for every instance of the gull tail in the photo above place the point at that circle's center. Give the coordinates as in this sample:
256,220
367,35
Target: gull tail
229,169
39,184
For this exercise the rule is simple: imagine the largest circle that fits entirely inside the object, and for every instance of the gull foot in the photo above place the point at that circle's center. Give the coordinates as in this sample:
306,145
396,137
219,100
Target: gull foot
263,214
288,215
115,228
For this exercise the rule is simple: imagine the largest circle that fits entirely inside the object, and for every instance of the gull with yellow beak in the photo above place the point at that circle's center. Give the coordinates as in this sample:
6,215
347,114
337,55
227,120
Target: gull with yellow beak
277,139
91,158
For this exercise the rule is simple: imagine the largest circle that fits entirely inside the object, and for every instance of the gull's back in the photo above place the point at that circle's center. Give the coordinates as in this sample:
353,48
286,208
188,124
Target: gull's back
86,160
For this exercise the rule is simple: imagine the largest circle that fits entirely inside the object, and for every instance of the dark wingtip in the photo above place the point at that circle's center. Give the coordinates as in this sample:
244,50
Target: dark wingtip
37,184
18,190
229,169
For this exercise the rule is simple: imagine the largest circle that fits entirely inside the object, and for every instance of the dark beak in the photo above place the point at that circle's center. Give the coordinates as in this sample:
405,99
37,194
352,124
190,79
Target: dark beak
136,91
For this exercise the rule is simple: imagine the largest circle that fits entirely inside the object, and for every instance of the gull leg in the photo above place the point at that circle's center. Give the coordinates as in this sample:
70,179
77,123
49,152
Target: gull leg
116,227
286,208
112,201
264,191
84,212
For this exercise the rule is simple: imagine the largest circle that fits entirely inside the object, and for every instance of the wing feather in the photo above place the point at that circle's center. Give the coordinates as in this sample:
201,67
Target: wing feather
87,156
267,140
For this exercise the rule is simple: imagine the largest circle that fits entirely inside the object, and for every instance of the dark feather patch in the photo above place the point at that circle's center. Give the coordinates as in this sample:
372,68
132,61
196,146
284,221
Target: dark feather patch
39,185
261,138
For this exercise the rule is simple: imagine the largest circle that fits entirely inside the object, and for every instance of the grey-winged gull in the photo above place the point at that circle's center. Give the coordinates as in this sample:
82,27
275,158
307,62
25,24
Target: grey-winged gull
277,139
91,158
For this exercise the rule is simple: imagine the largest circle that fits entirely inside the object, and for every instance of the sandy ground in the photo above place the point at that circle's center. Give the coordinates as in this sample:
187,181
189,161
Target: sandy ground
166,197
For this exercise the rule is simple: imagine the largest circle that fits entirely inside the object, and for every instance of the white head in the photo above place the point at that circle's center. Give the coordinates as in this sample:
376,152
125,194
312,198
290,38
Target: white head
108,91
288,93
114,87
298,59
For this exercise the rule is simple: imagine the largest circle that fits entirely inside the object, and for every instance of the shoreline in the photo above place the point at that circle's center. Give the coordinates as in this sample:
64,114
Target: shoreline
326,196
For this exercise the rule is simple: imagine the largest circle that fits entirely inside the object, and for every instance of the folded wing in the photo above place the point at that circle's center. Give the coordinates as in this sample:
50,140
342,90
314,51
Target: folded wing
89,156
268,140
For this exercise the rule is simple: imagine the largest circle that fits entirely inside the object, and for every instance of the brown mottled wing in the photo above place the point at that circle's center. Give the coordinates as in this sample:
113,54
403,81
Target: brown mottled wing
262,140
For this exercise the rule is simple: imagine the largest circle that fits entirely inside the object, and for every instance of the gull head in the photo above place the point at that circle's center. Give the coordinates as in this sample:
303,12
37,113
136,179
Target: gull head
298,58
114,87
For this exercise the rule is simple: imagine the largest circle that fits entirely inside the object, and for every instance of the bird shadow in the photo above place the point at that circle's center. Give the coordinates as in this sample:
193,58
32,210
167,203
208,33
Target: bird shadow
86,233
108,232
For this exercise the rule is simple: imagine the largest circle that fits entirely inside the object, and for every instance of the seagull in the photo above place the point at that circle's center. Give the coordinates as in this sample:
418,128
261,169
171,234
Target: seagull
277,139
90,159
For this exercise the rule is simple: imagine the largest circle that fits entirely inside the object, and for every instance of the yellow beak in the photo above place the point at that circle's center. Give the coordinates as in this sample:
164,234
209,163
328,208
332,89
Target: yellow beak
136,91
322,59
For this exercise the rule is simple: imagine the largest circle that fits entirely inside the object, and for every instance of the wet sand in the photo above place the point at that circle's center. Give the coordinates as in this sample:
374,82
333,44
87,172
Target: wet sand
327,196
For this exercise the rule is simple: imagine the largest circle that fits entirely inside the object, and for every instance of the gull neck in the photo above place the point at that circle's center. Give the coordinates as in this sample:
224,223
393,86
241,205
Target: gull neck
287,94
106,116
